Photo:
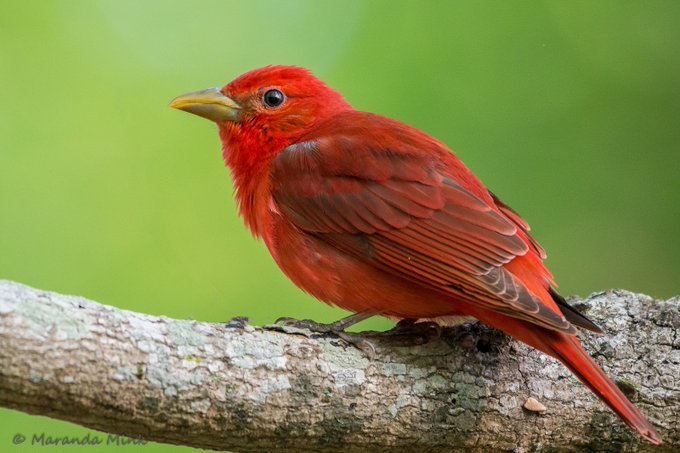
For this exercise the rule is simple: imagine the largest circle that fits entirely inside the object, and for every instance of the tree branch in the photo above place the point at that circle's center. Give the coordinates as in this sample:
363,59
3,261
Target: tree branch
237,387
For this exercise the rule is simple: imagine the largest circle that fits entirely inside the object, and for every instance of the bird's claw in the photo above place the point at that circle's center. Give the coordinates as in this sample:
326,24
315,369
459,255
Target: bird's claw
239,322
358,341
408,332
335,328
306,324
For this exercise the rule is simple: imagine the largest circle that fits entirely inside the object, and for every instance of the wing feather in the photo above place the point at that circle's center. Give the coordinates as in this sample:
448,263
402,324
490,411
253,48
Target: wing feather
402,208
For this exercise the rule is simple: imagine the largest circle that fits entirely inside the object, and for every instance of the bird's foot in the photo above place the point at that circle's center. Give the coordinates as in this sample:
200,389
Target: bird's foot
336,328
408,332
313,326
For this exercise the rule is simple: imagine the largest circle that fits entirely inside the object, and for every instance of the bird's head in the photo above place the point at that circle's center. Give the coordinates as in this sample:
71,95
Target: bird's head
266,109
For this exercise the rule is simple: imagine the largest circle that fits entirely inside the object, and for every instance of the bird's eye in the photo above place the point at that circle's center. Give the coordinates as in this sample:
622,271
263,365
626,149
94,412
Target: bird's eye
273,98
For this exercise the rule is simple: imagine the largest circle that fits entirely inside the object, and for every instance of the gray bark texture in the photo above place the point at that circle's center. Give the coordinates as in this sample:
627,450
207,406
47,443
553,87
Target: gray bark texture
242,388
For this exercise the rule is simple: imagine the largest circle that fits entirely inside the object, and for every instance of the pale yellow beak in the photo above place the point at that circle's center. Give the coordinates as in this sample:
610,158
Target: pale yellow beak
211,104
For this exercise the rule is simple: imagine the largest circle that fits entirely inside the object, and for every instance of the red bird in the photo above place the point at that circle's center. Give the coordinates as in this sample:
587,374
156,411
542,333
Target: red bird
379,218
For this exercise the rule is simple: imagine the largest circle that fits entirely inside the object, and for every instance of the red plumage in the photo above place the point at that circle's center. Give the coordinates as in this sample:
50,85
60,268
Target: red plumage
370,214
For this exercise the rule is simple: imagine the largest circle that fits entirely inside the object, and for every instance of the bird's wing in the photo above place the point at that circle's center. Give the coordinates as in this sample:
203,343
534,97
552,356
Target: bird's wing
388,195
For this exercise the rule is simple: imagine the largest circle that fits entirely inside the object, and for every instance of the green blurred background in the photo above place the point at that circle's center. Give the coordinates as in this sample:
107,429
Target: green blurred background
568,110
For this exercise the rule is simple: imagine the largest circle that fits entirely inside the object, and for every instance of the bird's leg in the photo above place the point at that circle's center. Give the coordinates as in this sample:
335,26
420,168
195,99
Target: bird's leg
336,328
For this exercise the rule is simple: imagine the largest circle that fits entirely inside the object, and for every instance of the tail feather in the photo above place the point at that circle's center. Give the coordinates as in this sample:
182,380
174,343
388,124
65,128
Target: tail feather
570,352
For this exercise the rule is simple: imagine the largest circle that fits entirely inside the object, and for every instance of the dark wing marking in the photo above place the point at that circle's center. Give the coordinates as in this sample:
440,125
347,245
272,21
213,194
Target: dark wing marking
574,316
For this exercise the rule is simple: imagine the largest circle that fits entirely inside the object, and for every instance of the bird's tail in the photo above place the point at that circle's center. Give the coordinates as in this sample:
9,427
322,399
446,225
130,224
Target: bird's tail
569,351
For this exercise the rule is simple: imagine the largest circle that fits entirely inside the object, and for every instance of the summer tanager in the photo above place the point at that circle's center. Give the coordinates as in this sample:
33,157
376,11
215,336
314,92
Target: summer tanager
379,218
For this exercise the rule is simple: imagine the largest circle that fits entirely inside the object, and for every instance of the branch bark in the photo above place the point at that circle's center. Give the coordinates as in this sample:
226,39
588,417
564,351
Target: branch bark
234,386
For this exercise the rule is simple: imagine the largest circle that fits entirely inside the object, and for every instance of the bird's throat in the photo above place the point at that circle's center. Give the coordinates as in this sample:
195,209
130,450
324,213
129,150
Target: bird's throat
248,160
